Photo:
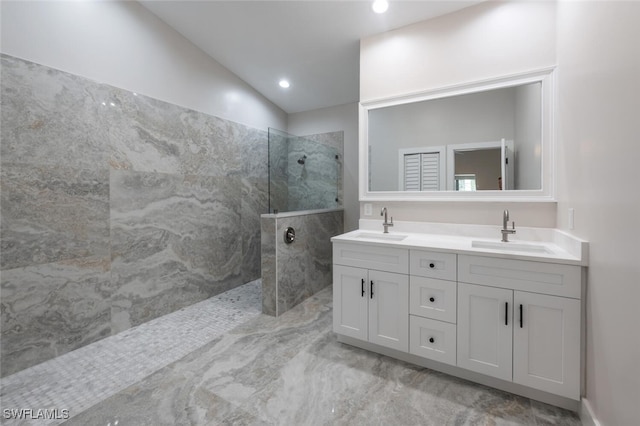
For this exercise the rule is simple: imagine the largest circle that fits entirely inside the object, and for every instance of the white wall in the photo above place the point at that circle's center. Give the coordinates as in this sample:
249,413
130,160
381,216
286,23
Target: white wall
345,118
599,101
124,45
598,59
490,40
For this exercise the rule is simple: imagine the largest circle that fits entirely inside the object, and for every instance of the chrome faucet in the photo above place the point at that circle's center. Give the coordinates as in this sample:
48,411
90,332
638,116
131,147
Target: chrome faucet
505,231
386,223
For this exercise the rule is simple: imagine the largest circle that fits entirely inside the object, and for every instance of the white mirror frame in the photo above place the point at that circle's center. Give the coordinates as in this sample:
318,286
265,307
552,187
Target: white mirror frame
545,194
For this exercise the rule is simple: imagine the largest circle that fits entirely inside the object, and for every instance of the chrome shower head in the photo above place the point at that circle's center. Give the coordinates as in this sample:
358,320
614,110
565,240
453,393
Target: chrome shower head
302,159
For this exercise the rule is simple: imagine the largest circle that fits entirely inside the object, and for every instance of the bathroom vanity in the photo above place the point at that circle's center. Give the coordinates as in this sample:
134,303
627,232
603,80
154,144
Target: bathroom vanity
458,300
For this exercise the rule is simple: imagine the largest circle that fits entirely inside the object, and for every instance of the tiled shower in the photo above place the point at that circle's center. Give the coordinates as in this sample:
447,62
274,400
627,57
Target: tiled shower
116,209
305,198
305,172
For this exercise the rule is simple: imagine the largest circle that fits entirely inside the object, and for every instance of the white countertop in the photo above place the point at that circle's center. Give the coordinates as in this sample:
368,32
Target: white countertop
535,244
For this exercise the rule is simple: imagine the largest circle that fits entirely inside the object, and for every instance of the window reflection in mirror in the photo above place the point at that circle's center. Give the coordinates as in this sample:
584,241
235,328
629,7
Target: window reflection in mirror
481,164
426,145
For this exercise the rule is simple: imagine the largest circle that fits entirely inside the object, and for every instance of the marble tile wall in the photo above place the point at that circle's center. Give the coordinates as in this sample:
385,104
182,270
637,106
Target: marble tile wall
278,171
116,208
318,183
269,265
293,272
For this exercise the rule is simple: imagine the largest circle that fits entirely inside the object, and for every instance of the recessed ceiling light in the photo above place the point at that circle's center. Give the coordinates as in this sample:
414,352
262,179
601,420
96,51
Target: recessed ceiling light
284,83
380,6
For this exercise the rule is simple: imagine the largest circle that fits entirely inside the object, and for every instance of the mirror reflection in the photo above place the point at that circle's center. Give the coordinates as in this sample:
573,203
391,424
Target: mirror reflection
483,141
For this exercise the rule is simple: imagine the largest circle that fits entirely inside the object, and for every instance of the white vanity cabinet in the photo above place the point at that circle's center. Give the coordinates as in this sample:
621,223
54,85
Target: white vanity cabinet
529,338
432,305
368,303
505,320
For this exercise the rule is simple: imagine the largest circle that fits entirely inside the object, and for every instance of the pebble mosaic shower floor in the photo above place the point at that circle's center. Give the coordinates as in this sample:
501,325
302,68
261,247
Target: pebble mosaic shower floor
77,380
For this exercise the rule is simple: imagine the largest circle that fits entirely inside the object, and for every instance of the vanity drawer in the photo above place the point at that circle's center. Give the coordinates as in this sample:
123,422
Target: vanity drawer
537,277
431,298
432,339
389,259
433,264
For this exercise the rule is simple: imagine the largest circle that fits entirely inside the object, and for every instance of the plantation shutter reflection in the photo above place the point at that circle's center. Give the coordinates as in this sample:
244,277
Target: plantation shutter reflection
430,172
412,172
422,172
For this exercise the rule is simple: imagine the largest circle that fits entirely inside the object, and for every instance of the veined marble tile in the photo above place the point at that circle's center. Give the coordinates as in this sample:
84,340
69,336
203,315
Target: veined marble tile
268,265
216,388
317,183
51,309
548,415
52,213
333,140
51,117
293,272
291,370
254,147
312,194
255,201
278,172
185,209
175,240
320,269
292,263
84,377
304,267
149,135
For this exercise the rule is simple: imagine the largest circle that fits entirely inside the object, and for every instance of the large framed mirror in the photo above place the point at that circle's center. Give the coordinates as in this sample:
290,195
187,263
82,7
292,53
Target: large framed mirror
486,141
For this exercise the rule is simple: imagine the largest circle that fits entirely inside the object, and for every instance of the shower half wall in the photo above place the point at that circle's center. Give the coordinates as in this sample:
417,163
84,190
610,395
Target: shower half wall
305,195
291,272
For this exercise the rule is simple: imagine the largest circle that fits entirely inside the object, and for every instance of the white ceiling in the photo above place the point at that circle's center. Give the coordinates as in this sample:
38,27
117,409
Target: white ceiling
314,44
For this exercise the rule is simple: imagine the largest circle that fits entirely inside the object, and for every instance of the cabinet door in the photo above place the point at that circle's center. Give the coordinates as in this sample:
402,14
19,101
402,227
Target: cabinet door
485,330
546,351
389,310
350,301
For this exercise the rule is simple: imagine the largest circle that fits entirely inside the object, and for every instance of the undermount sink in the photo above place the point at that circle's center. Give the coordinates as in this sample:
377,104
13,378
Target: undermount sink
511,246
382,237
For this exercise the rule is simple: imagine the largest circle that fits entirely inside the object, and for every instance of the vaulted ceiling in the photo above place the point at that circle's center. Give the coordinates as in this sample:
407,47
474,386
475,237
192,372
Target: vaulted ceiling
313,44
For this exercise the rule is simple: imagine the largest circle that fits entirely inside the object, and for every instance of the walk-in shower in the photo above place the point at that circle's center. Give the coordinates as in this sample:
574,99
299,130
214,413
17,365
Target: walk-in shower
305,211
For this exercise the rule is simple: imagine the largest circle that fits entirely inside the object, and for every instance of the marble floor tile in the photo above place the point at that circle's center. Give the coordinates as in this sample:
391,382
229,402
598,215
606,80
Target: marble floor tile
290,370
82,378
